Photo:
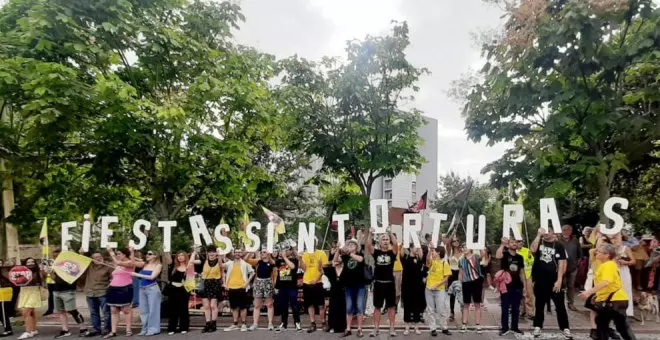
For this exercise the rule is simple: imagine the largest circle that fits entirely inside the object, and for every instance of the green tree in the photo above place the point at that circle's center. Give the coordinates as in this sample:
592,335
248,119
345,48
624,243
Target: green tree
573,84
349,114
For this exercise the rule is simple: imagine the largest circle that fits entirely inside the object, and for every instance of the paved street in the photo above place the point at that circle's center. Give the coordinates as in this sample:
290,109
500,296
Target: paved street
50,331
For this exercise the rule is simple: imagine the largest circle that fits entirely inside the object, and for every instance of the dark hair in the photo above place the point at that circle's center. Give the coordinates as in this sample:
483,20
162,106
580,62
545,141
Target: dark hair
441,251
211,248
25,261
125,251
638,234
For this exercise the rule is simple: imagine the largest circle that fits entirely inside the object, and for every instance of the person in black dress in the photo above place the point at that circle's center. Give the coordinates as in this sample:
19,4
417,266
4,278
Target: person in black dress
179,317
337,309
412,288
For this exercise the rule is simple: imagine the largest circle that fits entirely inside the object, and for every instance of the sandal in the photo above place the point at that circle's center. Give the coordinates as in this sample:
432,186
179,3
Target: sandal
129,333
346,334
359,333
110,335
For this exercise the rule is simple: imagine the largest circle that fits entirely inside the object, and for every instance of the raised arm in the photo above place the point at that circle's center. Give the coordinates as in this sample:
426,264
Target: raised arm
369,244
535,244
499,254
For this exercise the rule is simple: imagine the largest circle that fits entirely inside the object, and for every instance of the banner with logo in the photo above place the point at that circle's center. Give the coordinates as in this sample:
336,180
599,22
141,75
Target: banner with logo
70,266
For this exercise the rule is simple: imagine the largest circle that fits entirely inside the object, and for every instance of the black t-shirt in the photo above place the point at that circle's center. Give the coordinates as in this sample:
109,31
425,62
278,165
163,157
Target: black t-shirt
384,265
264,269
546,261
514,264
286,277
61,285
353,273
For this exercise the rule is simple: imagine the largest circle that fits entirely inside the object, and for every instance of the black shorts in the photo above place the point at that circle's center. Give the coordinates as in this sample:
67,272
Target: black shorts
384,292
473,291
313,295
238,298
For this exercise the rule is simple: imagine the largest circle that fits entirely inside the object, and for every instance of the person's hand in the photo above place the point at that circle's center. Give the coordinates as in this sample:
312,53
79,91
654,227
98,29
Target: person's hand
505,241
541,232
584,295
312,282
134,274
557,286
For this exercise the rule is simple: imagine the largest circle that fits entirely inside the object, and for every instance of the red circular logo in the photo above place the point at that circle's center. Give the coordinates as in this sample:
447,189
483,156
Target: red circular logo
20,276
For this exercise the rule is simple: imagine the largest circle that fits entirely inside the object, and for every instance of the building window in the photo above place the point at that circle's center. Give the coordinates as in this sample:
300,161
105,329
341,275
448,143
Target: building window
388,184
414,190
388,195
389,204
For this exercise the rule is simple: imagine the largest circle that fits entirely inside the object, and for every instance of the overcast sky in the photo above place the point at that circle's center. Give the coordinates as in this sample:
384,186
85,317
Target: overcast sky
440,41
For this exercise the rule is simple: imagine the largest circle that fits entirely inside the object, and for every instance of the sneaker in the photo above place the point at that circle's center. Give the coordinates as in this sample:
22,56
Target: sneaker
406,332
312,328
34,333
446,332
434,333
244,328
298,327
463,328
479,329
537,332
231,328
613,335
90,334
505,332
253,327
25,335
270,327
63,334
184,332
567,334
170,333
517,331
280,328
373,333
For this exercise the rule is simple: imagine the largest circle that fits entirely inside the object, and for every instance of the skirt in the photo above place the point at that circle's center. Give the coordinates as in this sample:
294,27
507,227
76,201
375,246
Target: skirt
119,296
211,289
29,297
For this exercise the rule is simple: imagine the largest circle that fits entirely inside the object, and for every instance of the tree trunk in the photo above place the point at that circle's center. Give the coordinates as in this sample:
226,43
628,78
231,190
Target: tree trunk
9,233
603,194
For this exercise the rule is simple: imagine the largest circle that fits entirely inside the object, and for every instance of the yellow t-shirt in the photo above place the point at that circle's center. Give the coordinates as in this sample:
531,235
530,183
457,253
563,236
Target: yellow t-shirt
437,273
235,279
609,271
312,265
527,260
211,273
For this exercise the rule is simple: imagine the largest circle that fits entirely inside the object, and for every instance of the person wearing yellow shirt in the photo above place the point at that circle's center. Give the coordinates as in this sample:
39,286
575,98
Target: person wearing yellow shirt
237,281
313,292
435,292
398,274
609,293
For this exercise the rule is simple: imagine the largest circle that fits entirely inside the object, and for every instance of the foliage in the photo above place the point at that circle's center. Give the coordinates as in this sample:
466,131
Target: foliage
574,85
349,114
138,109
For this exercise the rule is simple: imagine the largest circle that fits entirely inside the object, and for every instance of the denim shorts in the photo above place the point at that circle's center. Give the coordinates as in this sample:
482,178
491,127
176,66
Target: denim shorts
356,300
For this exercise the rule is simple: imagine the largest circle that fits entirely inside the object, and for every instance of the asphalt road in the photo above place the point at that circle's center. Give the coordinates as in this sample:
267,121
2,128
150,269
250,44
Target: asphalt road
262,334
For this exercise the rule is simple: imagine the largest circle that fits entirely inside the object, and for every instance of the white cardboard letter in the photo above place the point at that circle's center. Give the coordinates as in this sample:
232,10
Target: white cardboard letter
256,242
66,237
217,233
437,218
612,215
341,228
481,237
411,231
270,239
549,212
167,233
306,237
513,215
373,211
106,232
86,233
198,227
137,231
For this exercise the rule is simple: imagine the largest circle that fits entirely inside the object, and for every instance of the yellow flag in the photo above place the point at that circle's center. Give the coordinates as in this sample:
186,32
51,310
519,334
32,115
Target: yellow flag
276,220
69,266
217,243
43,239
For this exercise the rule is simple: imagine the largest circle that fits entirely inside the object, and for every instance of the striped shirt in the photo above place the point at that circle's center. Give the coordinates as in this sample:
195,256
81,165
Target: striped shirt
471,268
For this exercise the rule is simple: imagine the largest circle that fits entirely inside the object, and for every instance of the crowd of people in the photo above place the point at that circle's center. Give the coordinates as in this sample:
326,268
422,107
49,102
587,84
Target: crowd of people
425,282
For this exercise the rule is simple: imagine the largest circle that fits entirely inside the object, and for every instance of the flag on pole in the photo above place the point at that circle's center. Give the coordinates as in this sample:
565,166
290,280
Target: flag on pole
70,266
276,220
421,204
43,239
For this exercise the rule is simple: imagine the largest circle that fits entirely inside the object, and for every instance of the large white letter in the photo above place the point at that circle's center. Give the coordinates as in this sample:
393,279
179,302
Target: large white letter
549,212
198,227
86,233
256,242
341,232
481,237
373,211
217,233
167,233
270,229
137,231
609,212
66,237
306,237
411,230
437,218
513,215
106,232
